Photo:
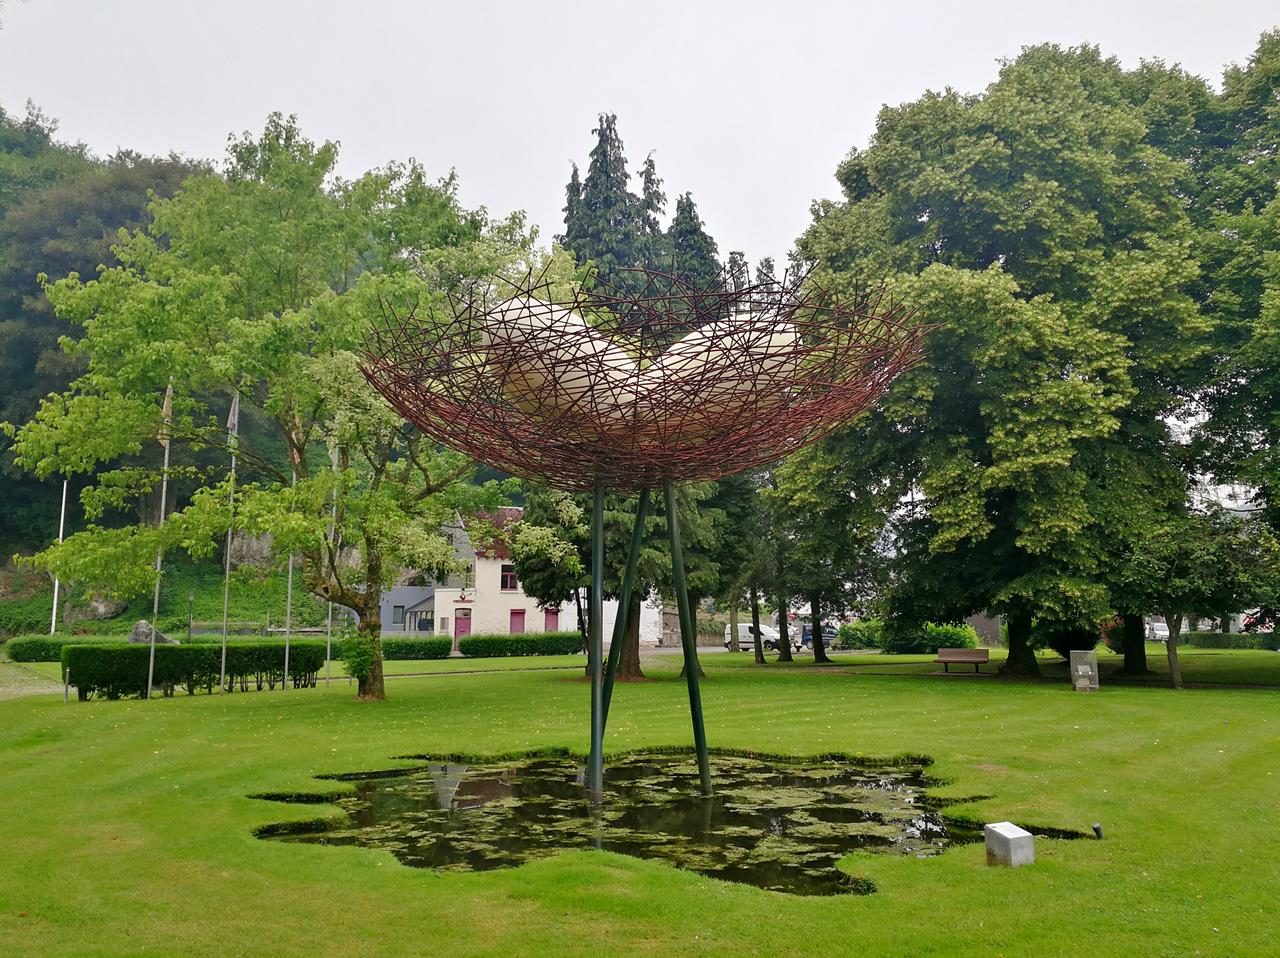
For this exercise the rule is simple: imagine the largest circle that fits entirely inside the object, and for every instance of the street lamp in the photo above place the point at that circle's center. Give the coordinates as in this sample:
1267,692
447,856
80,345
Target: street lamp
191,598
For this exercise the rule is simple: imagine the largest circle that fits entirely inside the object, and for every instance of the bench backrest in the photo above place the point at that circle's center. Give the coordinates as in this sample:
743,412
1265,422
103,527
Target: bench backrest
964,655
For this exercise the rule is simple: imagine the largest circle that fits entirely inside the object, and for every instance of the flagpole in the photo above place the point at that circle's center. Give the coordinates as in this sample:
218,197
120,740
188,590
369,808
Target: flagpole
288,604
233,438
62,520
333,561
164,494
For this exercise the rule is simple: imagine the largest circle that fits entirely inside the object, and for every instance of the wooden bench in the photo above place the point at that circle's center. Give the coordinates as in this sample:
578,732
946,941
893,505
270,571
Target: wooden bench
974,657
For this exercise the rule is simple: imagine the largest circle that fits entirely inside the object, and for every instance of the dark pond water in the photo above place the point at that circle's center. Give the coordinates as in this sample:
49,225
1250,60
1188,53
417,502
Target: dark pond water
780,826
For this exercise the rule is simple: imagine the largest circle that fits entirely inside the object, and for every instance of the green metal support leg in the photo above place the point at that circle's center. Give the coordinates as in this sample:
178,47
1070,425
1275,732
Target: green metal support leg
624,602
595,647
687,639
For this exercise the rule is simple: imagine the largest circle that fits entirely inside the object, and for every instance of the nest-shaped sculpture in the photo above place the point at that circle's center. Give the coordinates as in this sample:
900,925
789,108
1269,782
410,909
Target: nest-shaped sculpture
633,387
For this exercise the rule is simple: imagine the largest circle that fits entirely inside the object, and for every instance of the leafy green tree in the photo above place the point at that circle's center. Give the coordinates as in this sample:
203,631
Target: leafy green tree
1069,256
266,282
834,524
66,226
1206,561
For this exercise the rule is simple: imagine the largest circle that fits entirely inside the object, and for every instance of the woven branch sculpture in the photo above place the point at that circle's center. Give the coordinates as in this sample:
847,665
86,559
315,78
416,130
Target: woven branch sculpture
632,390
667,384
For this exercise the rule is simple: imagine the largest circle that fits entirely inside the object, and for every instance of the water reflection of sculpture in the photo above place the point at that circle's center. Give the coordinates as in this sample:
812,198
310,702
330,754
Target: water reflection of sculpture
636,391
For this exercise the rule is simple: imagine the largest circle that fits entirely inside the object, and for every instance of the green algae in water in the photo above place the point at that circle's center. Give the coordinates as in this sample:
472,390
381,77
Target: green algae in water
776,825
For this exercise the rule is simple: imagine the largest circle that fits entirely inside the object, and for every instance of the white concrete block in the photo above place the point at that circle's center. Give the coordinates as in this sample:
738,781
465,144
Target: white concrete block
1007,844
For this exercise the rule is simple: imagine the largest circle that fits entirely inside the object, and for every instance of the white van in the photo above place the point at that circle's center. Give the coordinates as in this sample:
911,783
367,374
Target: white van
769,638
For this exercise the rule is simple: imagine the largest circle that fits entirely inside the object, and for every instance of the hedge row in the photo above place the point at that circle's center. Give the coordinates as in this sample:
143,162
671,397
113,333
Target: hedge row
48,648
394,647
1232,640
533,643
119,669
928,639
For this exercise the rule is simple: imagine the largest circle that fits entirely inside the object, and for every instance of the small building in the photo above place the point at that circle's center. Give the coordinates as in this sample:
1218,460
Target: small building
488,598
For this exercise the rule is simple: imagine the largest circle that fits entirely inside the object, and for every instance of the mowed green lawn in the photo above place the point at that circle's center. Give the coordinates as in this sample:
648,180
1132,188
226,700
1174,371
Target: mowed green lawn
127,830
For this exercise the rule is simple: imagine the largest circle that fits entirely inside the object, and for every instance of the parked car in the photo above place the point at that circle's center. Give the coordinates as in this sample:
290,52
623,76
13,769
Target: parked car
1157,632
769,638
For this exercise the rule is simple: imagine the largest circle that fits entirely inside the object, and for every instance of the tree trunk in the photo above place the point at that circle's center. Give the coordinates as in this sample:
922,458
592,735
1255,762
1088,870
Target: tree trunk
733,627
629,660
1022,658
1133,640
784,641
582,618
815,619
755,626
371,687
1174,621
693,626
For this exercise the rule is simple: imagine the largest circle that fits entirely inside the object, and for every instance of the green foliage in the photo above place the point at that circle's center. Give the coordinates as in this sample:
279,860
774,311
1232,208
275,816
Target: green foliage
47,648
863,634
1066,641
1232,640
928,638
114,670
267,282
25,615
533,643
356,649
394,647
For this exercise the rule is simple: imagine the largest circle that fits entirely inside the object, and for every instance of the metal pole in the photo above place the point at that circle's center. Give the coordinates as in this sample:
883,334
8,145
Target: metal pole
624,603
333,547
288,606
226,572
62,520
687,640
595,647
155,600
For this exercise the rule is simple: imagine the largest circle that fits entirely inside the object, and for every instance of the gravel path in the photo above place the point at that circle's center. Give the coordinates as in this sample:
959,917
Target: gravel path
16,680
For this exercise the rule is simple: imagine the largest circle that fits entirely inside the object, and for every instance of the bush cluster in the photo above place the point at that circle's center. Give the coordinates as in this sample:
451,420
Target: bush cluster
116,669
47,648
417,648
863,634
532,643
25,615
928,638
1232,640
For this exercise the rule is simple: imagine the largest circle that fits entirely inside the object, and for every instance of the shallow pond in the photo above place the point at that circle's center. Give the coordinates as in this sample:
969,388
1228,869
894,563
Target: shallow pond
778,825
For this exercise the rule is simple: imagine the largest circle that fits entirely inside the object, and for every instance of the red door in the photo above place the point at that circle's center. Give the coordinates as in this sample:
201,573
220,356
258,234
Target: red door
462,623
517,621
551,620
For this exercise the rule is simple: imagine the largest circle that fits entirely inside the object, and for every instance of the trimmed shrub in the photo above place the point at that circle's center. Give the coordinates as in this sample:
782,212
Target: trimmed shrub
864,634
1231,640
47,648
424,648
116,669
532,643
929,638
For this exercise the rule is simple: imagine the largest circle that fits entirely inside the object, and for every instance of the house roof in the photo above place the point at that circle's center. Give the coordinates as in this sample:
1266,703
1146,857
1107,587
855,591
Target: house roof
496,547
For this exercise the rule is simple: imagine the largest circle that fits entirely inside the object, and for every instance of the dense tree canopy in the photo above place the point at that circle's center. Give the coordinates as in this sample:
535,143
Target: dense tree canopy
265,282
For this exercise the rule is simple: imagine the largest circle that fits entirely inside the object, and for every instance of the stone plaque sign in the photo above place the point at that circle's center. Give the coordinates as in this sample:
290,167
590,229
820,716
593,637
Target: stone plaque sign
1084,671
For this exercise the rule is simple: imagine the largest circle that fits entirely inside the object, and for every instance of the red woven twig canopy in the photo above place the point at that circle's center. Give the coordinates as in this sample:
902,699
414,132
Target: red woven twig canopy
634,387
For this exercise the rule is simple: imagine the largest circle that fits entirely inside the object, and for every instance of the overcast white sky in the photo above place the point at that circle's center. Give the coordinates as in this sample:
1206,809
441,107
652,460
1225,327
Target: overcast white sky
749,105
